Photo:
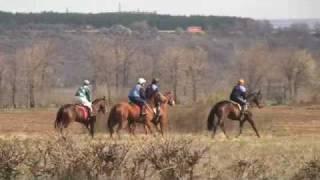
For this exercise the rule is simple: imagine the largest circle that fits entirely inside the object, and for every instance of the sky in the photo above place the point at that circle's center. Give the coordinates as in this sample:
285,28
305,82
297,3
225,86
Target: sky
258,9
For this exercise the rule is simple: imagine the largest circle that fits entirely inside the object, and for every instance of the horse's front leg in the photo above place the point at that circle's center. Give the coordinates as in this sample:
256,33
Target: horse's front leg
241,122
148,125
132,128
146,131
250,120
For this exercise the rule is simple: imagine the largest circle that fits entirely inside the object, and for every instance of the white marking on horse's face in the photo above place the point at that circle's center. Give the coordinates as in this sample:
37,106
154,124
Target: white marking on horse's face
173,102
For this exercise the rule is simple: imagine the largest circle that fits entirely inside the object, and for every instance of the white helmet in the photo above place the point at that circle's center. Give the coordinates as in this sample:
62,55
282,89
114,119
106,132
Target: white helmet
141,81
86,82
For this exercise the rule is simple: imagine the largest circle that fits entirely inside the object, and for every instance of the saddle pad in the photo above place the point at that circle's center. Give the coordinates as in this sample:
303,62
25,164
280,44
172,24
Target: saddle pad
236,104
84,111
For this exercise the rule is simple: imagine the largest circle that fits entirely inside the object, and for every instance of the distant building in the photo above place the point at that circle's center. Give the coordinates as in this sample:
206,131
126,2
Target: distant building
195,30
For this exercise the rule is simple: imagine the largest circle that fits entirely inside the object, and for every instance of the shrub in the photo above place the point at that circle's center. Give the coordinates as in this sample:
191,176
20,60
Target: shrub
12,155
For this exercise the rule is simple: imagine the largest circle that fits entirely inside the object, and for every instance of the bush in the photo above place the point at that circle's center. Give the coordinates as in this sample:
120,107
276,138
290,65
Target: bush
12,156
310,170
174,159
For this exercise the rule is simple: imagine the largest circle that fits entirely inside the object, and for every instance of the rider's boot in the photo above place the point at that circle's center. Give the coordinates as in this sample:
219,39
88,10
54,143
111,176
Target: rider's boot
158,109
242,114
244,109
143,111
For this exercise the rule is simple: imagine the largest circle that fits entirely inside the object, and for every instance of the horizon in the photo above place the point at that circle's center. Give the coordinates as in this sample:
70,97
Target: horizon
262,10
156,13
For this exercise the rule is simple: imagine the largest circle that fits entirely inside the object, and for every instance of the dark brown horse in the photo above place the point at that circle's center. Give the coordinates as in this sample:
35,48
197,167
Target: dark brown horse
73,112
228,110
126,115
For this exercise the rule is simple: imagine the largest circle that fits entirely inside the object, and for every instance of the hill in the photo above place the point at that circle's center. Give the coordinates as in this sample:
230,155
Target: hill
162,22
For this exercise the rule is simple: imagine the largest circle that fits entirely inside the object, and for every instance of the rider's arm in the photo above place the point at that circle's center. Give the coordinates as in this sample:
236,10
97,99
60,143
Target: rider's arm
142,93
88,93
243,92
155,88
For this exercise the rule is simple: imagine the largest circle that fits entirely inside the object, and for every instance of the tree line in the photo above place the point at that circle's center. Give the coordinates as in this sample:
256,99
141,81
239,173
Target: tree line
45,68
161,22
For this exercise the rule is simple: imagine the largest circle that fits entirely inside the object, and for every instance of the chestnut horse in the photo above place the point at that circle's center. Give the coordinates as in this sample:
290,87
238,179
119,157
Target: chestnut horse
160,119
72,112
127,114
227,109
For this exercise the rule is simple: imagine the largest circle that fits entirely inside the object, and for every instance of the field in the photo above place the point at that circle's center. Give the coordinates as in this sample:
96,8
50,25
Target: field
289,148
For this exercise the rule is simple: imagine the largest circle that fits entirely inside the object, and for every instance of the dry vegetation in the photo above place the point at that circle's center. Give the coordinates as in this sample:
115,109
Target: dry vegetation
289,148
173,157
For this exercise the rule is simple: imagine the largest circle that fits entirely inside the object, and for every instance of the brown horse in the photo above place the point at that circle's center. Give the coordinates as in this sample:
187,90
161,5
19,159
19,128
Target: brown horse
127,115
226,109
160,119
72,112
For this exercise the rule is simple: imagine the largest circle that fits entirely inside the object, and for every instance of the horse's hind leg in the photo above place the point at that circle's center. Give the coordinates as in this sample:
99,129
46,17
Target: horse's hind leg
215,126
91,125
223,128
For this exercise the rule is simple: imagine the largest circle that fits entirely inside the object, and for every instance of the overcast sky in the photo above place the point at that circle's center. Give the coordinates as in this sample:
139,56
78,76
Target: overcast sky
259,9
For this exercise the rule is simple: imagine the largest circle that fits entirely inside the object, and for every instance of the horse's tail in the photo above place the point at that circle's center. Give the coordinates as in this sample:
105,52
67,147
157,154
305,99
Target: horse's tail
113,118
211,118
58,117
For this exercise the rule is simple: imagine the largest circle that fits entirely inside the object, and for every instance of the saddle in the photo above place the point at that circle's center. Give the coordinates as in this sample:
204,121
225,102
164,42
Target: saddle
84,110
236,104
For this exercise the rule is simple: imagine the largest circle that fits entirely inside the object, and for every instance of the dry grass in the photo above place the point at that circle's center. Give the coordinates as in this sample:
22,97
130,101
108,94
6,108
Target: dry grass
289,148
174,157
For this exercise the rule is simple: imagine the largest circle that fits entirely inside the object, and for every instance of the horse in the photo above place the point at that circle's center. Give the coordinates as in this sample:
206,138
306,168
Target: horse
160,119
74,112
127,115
227,109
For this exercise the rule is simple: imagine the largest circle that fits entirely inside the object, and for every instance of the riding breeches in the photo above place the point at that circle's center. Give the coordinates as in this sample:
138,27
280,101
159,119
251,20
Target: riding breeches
83,101
137,100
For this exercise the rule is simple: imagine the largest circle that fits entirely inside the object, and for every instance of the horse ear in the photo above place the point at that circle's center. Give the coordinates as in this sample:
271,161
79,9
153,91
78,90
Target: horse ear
259,91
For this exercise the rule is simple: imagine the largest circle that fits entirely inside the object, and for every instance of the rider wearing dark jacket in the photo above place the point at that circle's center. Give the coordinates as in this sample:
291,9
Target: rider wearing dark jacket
239,95
151,90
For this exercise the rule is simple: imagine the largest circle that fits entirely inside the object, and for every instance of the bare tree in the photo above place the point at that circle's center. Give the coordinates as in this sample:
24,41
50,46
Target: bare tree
297,66
253,64
197,62
2,70
174,66
37,67
13,78
123,47
103,62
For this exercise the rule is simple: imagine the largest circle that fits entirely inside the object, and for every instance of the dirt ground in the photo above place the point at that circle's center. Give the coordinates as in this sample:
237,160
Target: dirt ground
275,121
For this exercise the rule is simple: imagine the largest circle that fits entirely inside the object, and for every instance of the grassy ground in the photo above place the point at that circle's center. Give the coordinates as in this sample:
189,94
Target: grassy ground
289,148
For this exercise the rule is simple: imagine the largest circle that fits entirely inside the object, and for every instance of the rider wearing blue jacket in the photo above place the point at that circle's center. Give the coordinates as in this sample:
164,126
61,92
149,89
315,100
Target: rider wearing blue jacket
137,95
239,95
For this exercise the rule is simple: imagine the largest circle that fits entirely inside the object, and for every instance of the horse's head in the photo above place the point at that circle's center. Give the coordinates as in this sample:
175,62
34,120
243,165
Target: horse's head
100,105
256,98
169,98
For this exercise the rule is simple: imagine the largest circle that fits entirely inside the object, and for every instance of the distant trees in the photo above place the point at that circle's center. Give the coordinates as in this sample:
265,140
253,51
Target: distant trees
36,67
197,63
2,71
104,64
254,65
194,67
162,22
297,66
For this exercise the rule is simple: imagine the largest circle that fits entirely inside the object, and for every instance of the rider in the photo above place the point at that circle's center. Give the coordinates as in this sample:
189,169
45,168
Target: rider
152,89
238,95
137,95
83,95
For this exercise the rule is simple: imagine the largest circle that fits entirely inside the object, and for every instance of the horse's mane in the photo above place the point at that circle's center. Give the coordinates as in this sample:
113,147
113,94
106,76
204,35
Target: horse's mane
98,99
